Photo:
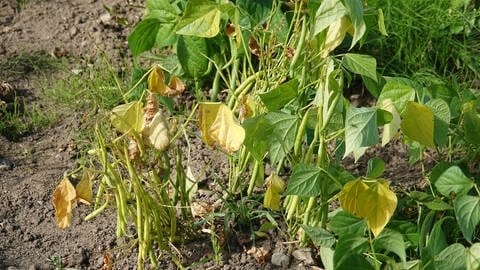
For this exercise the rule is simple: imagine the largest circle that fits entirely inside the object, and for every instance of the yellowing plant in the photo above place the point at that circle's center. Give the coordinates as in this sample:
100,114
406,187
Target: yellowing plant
66,195
218,126
369,199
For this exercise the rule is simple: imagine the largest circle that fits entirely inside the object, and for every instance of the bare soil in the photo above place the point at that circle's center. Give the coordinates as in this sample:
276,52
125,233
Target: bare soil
30,168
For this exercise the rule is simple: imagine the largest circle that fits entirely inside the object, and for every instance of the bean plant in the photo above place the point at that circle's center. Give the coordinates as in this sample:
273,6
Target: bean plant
269,79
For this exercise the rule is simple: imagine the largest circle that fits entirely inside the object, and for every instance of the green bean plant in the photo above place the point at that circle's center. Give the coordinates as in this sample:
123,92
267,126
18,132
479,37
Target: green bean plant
269,79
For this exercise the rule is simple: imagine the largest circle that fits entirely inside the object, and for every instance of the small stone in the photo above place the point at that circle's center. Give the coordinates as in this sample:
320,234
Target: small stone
105,18
12,268
32,267
304,255
5,164
73,31
280,259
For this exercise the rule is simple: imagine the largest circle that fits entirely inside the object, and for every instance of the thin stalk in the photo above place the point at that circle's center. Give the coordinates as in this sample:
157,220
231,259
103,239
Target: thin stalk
242,89
215,86
253,177
375,260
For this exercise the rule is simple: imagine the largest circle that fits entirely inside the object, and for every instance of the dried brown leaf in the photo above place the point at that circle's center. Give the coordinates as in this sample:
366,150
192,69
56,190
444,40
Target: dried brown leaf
107,261
260,254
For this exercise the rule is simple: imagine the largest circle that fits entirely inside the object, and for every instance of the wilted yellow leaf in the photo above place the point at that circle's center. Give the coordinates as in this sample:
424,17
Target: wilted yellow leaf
275,186
156,80
64,201
157,132
219,126
128,117
335,34
373,201
377,206
84,188
175,87
247,108
349,197
206,117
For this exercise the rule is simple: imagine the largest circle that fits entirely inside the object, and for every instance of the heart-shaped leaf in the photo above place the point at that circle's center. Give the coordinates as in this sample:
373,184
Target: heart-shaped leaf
218,126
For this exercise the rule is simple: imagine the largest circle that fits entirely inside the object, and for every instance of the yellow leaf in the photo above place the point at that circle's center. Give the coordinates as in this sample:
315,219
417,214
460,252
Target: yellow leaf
418,123
175,87
275,186
128,117
377,206
349,197
84,188
247,108
390,129
373,201
218,126
156,80
335,34
206,117
157,132
64,201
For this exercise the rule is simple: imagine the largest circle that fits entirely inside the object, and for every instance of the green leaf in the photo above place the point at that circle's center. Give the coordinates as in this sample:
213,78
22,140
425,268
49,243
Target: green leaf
437,240
278,97
201,19
319,236
467,212
326,254
143,36
437,171
355,12
343,223
381,23
329,12
257,11
257,134
415,152
161,10
390,130
375,167
392,241
452,258
399,93
384,117
442,117
192,53
360,128
347,247
283,138
361,64
128,117
305,181
453,180
473,257
438,205
165,36
471,127
417,123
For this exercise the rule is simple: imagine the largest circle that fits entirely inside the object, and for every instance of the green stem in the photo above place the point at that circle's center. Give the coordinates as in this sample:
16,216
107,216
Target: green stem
215,86
375,260
242,89
253,178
